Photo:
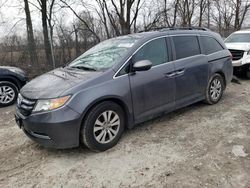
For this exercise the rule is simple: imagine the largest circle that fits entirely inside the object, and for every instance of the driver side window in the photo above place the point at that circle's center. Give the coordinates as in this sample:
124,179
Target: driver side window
155,51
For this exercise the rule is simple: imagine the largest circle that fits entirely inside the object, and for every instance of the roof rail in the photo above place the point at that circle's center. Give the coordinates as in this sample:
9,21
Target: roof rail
184,28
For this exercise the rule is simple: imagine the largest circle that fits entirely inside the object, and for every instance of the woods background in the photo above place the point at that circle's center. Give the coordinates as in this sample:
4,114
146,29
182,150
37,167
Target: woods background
59,39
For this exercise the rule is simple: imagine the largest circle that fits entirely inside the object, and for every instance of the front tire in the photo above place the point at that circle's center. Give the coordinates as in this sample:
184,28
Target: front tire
215,89
8,93
103,126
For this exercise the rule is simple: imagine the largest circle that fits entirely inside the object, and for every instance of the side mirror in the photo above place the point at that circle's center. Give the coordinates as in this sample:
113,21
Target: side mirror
142,65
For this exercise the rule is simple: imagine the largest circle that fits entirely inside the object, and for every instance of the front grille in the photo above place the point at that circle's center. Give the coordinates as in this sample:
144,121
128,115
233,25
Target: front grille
25,105
237,54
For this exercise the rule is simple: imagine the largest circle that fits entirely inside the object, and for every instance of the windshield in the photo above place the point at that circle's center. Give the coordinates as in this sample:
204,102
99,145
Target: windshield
104,55
240,37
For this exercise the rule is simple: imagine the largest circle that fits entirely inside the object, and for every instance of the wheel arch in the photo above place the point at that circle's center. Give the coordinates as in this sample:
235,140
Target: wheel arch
13,80
117,100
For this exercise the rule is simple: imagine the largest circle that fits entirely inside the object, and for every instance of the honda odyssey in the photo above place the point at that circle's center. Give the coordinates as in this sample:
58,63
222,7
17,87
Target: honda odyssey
122,82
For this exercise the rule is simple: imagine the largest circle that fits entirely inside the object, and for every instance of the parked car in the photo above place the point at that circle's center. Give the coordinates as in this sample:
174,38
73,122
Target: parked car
11,81
239,45
122,82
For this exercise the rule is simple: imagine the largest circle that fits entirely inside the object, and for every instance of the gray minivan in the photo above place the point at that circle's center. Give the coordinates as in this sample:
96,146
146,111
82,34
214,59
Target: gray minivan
121,82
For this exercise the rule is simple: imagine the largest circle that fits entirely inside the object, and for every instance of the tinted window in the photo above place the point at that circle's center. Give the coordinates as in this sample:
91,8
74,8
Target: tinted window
210,45
186,46
155,51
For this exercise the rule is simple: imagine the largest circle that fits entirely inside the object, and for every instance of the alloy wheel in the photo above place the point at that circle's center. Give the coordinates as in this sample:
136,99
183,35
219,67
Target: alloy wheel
215,89
106,127
7,94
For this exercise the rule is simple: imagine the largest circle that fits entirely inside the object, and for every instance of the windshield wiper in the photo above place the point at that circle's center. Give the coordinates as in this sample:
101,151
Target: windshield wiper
84,68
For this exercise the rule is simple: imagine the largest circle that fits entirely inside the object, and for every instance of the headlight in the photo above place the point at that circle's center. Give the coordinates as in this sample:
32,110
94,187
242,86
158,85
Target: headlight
50,104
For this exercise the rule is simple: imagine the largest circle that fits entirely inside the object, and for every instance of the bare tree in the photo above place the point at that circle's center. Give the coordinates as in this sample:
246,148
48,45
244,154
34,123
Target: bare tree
30,34
151,18
171,20
123,9
186,11
47,43
84,33
77,45
91,29
49,17
223,16
202,9
208,13
103,15
240,7
113,19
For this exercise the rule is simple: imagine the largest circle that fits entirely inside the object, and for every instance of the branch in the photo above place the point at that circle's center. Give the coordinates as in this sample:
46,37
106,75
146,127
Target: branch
22,19
85,23
116,10
36,5
136,12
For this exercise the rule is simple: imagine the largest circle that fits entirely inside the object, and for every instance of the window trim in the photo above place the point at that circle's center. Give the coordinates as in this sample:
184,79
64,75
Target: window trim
129,58
170,47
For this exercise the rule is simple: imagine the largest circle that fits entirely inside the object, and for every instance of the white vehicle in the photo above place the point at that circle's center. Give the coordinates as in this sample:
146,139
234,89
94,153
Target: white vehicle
238,44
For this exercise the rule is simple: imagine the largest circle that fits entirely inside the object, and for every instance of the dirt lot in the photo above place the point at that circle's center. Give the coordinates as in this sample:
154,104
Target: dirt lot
199,146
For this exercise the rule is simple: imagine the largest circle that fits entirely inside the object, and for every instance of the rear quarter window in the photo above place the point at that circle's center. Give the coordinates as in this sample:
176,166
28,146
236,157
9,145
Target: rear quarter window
210,45
186,46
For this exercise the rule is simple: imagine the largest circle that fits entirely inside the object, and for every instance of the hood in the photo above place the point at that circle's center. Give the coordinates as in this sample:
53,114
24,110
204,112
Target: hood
53,83
238,46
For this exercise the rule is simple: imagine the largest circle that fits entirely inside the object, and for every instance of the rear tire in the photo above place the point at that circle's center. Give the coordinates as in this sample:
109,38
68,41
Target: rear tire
215,89
8,93
103,126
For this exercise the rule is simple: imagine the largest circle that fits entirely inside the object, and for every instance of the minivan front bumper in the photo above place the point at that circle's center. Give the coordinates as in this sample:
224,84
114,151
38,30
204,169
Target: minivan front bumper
56,129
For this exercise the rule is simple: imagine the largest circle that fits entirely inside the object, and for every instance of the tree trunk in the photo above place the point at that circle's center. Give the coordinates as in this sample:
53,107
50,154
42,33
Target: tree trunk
123,11
77,47
47,45
237,12
208,14
175,13
201,13
30,34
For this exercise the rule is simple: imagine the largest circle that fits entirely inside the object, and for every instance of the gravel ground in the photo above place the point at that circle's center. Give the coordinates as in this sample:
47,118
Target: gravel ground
198,146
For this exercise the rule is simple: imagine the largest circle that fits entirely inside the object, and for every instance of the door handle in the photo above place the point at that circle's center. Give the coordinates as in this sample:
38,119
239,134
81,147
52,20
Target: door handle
180,72
170,75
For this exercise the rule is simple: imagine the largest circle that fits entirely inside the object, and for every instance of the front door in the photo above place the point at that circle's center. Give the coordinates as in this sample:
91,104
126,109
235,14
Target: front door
153,91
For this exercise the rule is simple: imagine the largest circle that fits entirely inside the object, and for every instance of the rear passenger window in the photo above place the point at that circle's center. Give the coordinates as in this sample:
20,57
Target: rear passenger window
210,45
186,46
155,51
